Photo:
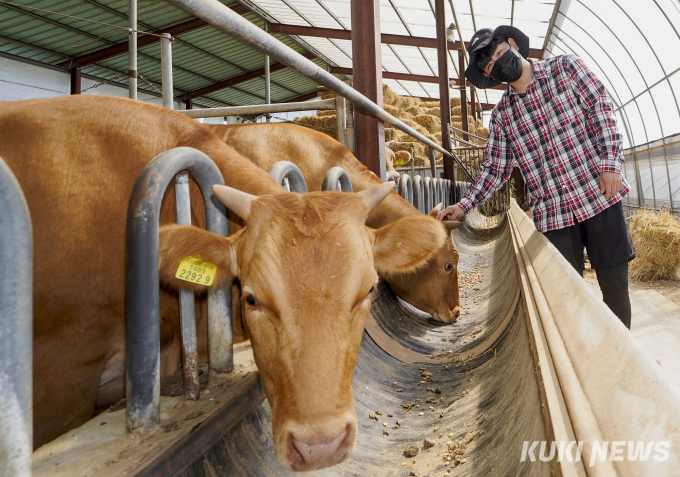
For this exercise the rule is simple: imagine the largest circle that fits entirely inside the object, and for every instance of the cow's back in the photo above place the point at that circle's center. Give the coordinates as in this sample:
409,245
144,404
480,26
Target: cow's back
314,153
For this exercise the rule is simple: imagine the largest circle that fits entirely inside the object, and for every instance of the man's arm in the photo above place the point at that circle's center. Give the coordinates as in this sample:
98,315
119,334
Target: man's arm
495,170
600,114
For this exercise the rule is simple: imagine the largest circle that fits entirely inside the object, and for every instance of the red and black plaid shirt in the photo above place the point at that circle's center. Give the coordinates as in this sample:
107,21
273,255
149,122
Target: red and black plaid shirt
561,134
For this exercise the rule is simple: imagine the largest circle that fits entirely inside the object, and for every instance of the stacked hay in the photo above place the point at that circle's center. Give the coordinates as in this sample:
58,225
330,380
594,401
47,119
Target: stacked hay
656,236
423,116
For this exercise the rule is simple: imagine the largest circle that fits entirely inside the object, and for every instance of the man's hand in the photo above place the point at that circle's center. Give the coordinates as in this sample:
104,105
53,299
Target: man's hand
453,211
610,184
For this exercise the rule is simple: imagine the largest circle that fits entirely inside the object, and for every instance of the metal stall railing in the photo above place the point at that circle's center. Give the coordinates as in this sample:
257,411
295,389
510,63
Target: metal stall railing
142,287
16,328
499,202
226,20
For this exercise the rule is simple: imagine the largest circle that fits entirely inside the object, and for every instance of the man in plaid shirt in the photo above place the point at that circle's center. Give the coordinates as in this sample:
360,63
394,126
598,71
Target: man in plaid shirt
557,124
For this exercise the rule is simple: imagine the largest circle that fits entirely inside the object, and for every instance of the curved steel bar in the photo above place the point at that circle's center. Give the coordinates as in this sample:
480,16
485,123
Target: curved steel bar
428,193
337,179
437,191
142,349
419,194
406,188
225,19
16,328
447,193
286,169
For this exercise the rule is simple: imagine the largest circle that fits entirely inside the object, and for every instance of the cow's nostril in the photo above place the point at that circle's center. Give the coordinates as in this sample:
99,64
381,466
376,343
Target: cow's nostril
292,453
314,454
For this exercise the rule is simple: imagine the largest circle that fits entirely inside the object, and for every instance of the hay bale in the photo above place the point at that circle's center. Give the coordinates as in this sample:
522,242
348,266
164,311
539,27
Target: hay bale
414,110
656,236
327,112
390,98
391,134
455,102
329,95
394,111
429,122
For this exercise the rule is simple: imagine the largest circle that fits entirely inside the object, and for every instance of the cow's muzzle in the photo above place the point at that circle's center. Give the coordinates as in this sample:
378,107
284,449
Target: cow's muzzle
313,448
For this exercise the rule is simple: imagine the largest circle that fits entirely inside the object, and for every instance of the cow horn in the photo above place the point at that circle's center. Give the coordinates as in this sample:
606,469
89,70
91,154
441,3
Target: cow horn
389,143
374,195
235,200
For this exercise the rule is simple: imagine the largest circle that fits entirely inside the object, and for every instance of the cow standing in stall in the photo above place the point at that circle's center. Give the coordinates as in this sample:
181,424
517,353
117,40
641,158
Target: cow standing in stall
307,263
432,288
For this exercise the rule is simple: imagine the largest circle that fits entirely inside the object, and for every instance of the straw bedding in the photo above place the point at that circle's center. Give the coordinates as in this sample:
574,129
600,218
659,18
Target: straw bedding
656,236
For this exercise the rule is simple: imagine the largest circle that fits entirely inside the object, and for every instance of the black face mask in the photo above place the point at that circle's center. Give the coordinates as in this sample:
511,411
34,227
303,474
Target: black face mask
508,68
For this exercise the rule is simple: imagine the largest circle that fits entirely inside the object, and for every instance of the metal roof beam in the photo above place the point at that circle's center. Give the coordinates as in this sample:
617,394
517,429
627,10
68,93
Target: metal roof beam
407,77
386,38
236,80
143,40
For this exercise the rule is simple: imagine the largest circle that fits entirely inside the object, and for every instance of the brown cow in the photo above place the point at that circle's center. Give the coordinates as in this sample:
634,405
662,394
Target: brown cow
307,263
391,158
433,288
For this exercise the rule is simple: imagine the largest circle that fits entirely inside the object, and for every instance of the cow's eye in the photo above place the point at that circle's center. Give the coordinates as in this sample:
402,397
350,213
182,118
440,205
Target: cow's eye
449,266
252,301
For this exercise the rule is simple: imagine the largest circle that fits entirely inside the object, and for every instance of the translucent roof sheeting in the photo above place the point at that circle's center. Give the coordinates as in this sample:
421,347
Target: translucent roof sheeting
629,44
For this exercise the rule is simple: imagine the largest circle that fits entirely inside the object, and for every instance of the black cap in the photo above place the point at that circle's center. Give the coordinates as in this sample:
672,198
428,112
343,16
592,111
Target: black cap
480,40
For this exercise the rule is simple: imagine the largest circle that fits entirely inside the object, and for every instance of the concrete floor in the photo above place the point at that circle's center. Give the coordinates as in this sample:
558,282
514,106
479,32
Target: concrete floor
656,325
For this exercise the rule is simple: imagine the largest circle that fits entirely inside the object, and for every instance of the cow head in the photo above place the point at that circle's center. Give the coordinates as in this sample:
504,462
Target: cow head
434,289
307,264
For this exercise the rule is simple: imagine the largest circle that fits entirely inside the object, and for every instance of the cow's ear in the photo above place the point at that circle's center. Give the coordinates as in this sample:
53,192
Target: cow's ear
178,249
407,244
436,210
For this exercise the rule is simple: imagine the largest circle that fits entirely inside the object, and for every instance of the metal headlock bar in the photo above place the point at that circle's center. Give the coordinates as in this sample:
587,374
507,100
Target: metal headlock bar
142,376
16,328
283,170
337,179
225,19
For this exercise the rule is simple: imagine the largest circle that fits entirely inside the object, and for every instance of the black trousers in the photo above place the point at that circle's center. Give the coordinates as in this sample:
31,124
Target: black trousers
610,248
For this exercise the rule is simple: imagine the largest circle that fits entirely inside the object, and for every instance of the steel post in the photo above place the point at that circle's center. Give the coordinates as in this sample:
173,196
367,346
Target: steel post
463,97
16,328
187,311
427,191
132,49
267,84
166,67
433,163
443,72
142,377
341,119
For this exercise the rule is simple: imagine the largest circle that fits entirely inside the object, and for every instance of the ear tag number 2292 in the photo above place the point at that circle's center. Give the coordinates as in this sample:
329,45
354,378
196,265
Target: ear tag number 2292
193,269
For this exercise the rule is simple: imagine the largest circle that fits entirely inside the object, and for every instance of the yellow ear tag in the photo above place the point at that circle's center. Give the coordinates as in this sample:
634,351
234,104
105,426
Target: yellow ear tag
397,244
193,269
399,162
